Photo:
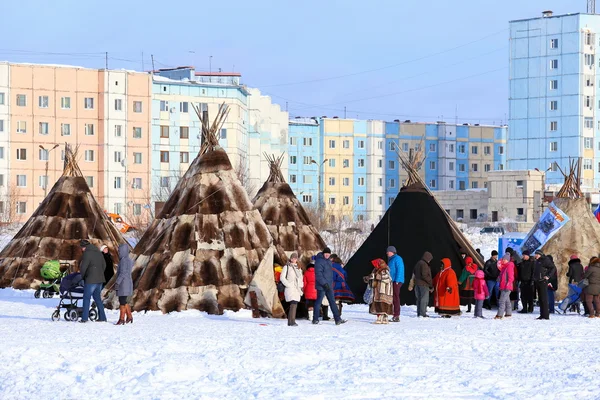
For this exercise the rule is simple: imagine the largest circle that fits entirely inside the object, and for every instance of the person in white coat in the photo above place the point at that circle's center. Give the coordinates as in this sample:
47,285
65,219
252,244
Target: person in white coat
292,279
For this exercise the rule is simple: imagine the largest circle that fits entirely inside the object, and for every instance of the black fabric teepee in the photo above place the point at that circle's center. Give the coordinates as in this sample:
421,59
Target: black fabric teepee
414,224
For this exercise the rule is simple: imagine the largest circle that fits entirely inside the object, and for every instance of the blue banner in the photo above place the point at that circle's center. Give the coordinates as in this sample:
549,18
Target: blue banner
550,222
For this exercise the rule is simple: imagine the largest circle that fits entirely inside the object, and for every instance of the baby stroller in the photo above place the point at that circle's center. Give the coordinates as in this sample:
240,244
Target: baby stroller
71,292
51,272
573,300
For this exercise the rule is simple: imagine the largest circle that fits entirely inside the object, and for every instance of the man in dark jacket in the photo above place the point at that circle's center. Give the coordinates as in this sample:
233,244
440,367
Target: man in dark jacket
423,283
92,268
490,269
324,286
526,276
544,269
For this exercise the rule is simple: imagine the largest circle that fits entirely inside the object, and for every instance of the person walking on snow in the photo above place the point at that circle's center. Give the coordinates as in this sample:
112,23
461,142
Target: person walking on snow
491,272
544,268
527,284
124,284
92,267
423,283
291,277
507,281
381,282
396,265
480,291
466,283
324,285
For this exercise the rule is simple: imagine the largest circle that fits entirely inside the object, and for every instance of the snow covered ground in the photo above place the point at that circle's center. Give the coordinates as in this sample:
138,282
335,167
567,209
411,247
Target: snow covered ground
194,355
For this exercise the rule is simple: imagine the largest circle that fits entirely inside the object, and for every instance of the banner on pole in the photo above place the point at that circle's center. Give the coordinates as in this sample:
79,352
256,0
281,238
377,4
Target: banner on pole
550,222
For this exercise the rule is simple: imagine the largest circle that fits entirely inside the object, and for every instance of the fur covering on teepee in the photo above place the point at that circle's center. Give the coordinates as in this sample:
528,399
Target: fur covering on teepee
285,217
203,248
68,214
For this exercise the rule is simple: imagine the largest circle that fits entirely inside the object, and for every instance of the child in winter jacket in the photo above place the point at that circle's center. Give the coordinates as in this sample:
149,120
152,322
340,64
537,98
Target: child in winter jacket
507,280
481,292
310,290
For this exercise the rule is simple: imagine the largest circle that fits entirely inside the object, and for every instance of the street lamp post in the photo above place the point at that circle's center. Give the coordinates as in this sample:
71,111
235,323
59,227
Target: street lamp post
319,166
47,161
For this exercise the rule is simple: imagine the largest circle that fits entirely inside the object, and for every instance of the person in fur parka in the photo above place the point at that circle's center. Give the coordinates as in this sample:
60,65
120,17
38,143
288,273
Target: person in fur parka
447,302
291,277
383,291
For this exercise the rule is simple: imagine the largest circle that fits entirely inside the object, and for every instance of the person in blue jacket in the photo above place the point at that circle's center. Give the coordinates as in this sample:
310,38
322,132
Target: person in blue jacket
396,265
324,286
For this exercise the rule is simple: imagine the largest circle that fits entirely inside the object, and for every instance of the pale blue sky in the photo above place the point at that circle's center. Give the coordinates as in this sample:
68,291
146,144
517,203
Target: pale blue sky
275,43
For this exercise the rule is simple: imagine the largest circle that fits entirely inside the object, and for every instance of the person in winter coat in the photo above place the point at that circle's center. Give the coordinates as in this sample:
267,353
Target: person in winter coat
291,277
396,265
383,291
507,281
516,260
527,284
310,291
552,287
543,270
445,285
423,283
575,272
324,285
109,272
124,284
478,251
480,292
465,281
592,290
341,291
491,272
92,268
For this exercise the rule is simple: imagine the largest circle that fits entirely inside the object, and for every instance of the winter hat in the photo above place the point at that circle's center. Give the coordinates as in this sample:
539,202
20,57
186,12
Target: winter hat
103,247
494,253
506,257
326,250
573,257
479,274
539,253
391,249
446,263
526,253
293,255
378,263
84,243
509,250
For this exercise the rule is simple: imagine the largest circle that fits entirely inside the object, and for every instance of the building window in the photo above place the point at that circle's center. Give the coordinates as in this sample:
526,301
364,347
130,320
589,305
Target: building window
164,181
346,181
292,178
332,162
118,156
474,185
500,167
589,59
587,164
553,166
519,211
392,183
390,200
360,201
65,129
391,164
89,155
307,142
474,167
307,179
164,131
392,146
451,166
164,105
520,183
431,146
2,156
307,160
380,182
223,134
118,105
88,103
137,158
553,125
553,105
346,163
184,132
380,145
588,143
117,182
306,198
380,163
589,102
589,38
553,64
451,148
361,144
118,130
21,207
331,181
431,164
404,147
380,200
65,103
332,201
588,123
589,80
361,181
184,157
462,148
500,149
460,214
89,129
137,132
554,43
345,144
137,183
553,84
44,154
137,209
137,106
345,200
43,101
332,144
43,181
553,146
451,184
43,128
432,183
118,207
487,150
461,185
21,180
487,167
2,98
21,100
1,125
164,156
474,149
293,141
293,160
22,154
461,167
90,181
183,107
21,127
361,162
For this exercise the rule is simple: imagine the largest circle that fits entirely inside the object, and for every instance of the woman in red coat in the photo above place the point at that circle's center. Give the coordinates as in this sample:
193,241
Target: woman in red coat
447,302
310,291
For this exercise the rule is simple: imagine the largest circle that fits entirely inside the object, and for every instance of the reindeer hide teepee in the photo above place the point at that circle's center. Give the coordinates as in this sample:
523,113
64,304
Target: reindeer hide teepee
68,214
285,217
207,242
580,235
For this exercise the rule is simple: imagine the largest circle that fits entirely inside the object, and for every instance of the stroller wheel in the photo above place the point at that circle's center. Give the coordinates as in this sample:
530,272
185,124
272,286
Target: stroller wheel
73,315
93,314
37,294
66,316
56,315
46,294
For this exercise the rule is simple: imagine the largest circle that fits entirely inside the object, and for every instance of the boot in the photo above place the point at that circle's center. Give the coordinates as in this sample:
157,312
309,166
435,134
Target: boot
325,310
129,319
385,319
121,320
340,307
379,319
310,314
292,315
469,307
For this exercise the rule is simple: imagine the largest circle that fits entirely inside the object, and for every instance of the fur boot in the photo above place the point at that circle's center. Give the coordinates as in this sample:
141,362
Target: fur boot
292,314
324,311
379,319
384,319
129,319
121,320
310,314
